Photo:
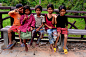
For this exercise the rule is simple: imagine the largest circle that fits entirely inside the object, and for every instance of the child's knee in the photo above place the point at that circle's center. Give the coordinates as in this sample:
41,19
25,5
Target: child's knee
18,31
59,34
65,36
9,31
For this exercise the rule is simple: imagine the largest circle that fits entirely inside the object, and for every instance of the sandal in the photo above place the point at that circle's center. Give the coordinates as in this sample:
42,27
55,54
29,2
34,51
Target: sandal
9,46
22,45
54,49
65,51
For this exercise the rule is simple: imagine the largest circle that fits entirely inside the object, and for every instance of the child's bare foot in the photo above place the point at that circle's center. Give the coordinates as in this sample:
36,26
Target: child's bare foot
52,50
37,45
26,49
28,45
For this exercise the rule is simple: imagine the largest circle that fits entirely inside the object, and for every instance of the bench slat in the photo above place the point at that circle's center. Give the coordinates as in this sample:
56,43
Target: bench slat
77,31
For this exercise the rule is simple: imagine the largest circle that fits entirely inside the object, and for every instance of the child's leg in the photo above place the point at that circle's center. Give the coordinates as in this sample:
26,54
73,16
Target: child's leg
49,31
57,39
65,41
26,48
39,38
34,34
19,37
9,36
54,34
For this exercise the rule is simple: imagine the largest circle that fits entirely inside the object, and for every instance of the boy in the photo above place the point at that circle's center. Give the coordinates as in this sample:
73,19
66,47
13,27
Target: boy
62,26
16,14
39,23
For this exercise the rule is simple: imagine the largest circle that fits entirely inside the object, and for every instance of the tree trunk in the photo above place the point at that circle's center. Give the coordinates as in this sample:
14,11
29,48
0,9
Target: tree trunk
39,1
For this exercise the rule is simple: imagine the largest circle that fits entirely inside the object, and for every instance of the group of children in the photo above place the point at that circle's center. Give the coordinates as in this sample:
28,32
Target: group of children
29,25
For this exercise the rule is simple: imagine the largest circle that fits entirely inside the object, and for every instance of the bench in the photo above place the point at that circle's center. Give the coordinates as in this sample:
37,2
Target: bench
60,43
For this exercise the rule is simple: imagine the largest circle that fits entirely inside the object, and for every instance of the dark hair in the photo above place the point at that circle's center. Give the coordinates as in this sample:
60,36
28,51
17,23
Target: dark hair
38,6
62,7
19,5
26,7
50,5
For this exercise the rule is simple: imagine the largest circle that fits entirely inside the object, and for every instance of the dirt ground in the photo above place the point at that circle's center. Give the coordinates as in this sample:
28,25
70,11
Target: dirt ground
43,50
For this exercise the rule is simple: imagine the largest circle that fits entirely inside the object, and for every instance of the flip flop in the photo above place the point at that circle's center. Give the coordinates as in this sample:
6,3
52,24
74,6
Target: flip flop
22,45
54,49
65,51
11,45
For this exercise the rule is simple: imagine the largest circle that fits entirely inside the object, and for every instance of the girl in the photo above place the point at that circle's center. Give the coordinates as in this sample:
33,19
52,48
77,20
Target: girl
28,22
62,26
49,18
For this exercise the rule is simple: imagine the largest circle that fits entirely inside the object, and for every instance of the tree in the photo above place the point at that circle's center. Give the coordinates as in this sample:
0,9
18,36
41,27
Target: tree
39,1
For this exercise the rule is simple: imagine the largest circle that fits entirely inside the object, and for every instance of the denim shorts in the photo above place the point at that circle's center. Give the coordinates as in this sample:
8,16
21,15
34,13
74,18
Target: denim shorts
51,33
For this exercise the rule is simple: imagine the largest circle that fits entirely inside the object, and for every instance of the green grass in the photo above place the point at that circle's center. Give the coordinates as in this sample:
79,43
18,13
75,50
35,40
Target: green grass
80,23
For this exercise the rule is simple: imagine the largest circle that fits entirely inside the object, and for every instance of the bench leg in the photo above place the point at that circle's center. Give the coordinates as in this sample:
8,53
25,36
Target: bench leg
5,36
6,39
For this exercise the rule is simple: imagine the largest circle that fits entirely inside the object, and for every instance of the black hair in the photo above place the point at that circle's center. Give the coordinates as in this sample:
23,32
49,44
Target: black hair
26,7
19,5
50,5
62,7
38,6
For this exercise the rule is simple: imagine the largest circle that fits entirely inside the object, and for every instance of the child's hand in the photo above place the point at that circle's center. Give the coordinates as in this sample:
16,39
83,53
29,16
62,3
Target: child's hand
16,10
50,27
25,17
37,29
31,28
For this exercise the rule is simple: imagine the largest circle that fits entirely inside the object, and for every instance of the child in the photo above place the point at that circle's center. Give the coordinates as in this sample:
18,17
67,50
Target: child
39,23
62,26
27,24
49,25
16,14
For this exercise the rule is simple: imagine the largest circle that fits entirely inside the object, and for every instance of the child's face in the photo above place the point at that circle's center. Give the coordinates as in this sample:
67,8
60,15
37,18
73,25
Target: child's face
62,12
20,10
50,10
27,11
38,11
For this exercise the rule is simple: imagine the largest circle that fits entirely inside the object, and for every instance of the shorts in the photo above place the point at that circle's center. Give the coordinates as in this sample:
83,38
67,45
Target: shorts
15,28
62,30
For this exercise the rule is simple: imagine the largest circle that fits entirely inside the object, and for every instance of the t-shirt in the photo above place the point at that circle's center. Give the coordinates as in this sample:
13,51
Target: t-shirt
16,17
62,21
39,20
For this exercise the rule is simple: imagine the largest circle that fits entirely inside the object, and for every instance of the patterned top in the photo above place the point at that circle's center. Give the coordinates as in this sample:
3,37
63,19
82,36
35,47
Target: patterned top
30,22
39,20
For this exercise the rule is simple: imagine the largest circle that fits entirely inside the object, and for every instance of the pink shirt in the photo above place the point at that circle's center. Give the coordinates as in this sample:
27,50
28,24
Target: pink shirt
28,23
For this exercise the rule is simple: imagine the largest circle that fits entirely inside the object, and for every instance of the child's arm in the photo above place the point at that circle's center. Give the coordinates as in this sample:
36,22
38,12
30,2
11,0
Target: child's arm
21,19
39,27
55,19
11,13
66,27
48,26
33,21
24,18
66,23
